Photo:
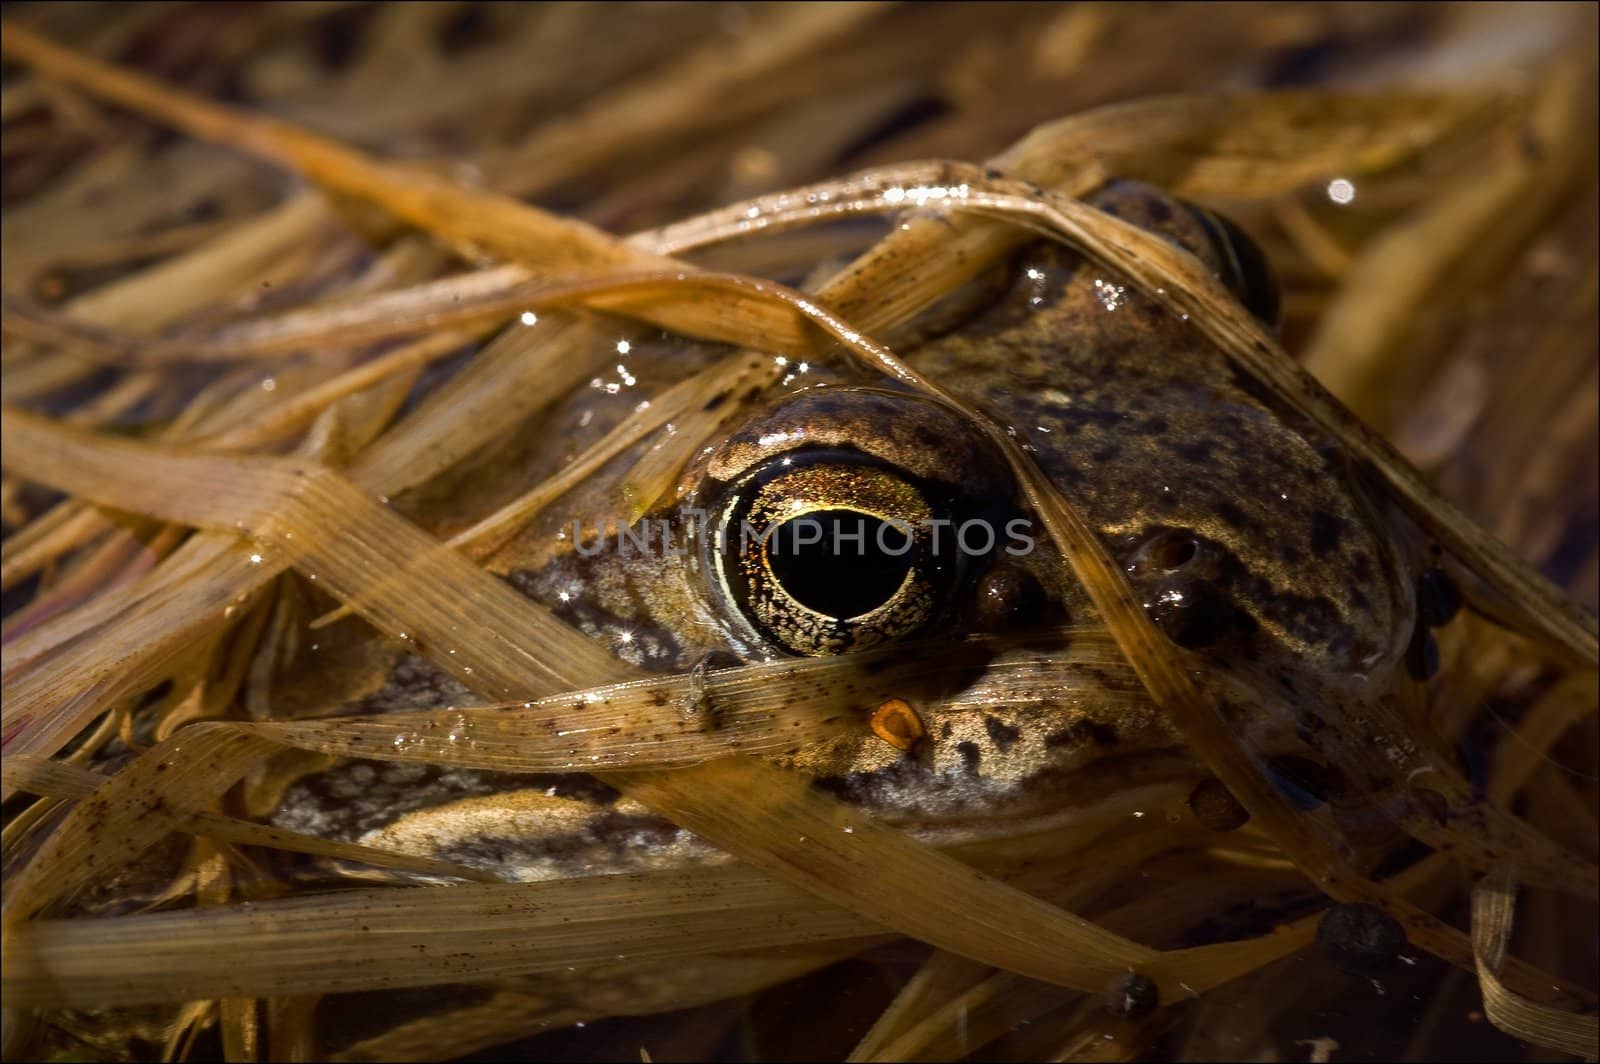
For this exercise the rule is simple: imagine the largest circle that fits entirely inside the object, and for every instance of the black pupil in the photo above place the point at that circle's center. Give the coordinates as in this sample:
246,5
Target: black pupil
841,563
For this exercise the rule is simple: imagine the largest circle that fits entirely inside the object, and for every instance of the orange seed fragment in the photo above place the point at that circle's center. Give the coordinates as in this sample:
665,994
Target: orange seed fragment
897,724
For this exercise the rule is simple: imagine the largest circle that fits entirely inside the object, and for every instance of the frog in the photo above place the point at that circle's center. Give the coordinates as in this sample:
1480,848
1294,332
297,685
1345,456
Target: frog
847,515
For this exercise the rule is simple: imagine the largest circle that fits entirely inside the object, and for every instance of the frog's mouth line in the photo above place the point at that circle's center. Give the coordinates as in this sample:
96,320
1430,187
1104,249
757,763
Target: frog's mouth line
476,824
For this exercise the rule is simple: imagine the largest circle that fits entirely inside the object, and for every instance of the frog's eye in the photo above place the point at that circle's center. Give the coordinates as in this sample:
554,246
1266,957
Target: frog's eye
1244,266
826,552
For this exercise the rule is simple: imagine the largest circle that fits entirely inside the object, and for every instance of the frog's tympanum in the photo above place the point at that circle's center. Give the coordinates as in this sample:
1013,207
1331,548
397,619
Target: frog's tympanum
849,515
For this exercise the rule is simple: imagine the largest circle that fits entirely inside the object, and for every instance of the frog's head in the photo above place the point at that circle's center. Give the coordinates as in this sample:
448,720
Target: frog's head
845,518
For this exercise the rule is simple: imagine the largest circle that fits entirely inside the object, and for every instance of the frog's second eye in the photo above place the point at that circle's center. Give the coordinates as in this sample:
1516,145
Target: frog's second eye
829,552
1244,266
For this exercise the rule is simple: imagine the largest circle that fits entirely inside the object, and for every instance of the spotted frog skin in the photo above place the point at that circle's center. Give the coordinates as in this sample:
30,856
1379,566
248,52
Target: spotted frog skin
1252,542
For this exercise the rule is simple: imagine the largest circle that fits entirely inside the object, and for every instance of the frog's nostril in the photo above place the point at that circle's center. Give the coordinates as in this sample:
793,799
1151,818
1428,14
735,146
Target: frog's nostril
1175,552
1169,549
1007,598
1194,613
